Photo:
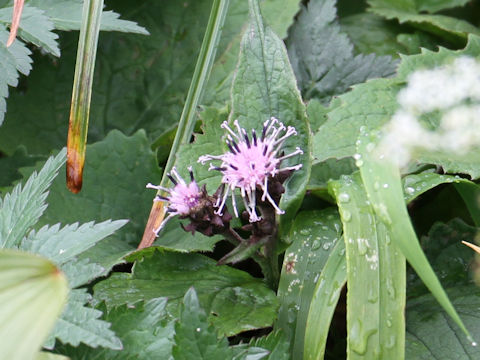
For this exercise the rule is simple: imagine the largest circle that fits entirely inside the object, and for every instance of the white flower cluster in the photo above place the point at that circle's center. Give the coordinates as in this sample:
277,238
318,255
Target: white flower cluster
454,91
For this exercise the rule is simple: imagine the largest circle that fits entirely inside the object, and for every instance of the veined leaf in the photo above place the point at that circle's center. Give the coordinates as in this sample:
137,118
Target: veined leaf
233,300
322,57
194,337
33,293
264,86
375,305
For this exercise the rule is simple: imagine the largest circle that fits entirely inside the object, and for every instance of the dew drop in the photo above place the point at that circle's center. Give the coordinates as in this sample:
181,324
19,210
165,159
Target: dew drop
344,198
316,244
346,215
409,190
198,329
385,186
304,232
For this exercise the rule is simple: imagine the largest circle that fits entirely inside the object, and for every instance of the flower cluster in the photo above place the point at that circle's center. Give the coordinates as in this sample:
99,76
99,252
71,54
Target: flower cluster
252,165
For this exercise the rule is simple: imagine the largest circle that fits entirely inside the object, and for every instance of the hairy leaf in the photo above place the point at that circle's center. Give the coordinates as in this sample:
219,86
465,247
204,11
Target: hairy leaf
233,300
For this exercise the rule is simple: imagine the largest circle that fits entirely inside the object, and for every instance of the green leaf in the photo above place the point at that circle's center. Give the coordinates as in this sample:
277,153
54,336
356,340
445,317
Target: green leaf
116,172
67,15
416,184
81,324
322,57
314,235
423,319
375,304
265,86
432,6
194,337
383,185
43,355
233,300
35,27
274,346
371,33
13,59
407,11
22,208
145,329
470,193
324,302
62,245
33,293
372,104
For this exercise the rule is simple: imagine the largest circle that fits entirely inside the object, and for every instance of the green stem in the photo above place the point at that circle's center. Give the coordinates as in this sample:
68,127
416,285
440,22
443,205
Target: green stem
199,80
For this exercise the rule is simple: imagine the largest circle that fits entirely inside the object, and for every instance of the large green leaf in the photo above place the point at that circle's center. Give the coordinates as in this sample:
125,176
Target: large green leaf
233,300
376,278
314,235
33,293
383,185
322,57
265,86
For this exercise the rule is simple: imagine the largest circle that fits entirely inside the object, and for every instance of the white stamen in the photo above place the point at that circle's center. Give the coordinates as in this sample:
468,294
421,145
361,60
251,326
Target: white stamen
226,127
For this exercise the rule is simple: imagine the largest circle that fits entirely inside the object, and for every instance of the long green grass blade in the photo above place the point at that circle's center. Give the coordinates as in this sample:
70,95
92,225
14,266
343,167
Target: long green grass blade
324,301
82,93
382,182
187,120
376,277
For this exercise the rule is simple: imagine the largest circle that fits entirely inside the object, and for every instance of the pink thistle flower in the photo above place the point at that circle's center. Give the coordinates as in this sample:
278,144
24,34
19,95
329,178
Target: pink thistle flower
182,199
251,162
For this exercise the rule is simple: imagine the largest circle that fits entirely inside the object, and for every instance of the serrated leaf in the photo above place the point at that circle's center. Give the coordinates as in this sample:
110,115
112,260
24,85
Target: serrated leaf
276,343
35,27
145,329
407,11
81,324
322,57
67,15
43,355
371,33
375,305
314,235
12,59
22,208
233,300
372,104
194,337
33,293
62,245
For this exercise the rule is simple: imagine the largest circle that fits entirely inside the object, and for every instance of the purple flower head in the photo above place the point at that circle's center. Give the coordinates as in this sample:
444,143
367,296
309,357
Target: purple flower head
251,162
181,199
